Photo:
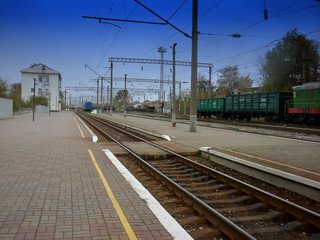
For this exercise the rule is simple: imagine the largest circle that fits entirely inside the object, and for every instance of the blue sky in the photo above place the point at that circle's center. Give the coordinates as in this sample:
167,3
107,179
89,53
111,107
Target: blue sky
53,32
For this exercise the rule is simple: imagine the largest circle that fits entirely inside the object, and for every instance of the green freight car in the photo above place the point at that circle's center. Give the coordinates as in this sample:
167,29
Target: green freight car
211,107
301,105
271,106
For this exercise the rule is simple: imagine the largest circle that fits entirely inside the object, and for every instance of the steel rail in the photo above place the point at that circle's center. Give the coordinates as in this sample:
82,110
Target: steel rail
305,215
315,131
226,226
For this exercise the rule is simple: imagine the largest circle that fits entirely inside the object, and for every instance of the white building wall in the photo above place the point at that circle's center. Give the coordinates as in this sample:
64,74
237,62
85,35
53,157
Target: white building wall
26,85
54,89
6,108
53,86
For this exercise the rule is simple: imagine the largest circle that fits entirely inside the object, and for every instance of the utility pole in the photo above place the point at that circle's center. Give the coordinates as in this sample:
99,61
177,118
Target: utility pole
65,98
102,78
174,83
97,95
49,102
194,61
125,95
70,101
161,50
108,97
111,83
34,98
210,88
101,94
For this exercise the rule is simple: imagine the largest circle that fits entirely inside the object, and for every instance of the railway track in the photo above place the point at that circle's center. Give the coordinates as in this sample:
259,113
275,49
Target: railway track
291,128
208,203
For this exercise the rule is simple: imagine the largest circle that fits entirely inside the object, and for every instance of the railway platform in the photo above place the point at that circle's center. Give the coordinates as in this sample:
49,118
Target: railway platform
55,183
297,157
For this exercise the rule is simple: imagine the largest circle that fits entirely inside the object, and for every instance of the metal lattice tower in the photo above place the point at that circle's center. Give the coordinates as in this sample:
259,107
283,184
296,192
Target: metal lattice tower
161,50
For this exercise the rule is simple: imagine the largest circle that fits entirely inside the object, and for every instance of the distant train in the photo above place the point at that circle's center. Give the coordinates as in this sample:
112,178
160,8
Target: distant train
142,107
301,105
87,107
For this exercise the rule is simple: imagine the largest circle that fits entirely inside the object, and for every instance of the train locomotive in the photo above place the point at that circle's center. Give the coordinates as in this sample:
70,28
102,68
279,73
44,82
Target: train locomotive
88,107
300,105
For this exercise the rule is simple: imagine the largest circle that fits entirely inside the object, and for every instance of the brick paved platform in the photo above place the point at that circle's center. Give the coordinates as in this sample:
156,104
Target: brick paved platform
50,188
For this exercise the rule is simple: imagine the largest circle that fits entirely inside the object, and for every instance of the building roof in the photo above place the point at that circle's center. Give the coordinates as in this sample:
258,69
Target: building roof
39,68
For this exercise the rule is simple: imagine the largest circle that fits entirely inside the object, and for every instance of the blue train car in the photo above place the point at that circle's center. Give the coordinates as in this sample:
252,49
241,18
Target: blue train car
87,106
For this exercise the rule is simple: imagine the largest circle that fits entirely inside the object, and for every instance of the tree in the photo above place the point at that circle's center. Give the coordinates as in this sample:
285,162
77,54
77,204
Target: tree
244,83
40,100
203,87
119,98
228,78
15,95
3,88
231,79
293,61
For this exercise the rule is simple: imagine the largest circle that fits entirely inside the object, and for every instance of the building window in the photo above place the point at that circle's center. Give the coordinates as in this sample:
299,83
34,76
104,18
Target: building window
40,78
47,92
39,92
32,90
47,78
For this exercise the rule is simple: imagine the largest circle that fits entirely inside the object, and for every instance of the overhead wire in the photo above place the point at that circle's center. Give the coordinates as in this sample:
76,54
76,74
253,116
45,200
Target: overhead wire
105,35
273,16
295,11
116,35
260,48
177,10
101,36
171,36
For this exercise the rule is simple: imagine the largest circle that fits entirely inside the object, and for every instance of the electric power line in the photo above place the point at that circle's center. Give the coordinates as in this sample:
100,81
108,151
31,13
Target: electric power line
177,10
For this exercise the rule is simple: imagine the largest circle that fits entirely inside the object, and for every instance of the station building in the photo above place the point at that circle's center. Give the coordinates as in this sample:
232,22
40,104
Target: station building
48,84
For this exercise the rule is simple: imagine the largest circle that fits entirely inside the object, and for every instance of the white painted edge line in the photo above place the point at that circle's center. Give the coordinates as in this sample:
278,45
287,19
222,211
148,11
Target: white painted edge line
169,223
262,168
94,137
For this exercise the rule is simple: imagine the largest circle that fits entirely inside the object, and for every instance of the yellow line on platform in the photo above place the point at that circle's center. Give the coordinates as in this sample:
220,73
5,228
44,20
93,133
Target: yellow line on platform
79,127
274,162
114,201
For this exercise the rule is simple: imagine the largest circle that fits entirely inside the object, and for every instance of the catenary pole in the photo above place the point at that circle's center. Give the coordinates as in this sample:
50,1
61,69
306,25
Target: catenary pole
174,83
97,95
111,88
194,60
210,85
125,95
101,95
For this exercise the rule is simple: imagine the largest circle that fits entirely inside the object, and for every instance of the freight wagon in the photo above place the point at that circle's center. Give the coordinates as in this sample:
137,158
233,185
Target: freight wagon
301,105
271,106
209,107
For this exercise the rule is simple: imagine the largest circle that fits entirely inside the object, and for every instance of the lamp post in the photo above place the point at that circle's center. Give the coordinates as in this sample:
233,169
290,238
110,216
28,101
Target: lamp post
34,97
125,95
49,102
